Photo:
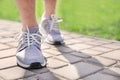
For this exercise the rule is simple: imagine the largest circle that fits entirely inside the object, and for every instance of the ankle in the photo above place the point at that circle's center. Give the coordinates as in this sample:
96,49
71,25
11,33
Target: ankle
46,16
31,29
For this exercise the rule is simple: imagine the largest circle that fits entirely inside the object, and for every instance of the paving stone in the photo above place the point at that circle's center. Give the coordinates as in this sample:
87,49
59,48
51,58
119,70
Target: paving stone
47,55
80,54
5,30
100,76
113,55
76,71
15,73
114,71
7,40
91,52
1,29
31,78
74,35
67,37
117,64
63,49
1,78
112,46
7,53
69,58
101,61
1,37
65,32
60,78
53,52
54,63
5,33
104,41
3,46
48,76
79,46
7,62
116,43
72,41
13,44
40,71
102,49
86,39
12,25
44,76
45,46
95,43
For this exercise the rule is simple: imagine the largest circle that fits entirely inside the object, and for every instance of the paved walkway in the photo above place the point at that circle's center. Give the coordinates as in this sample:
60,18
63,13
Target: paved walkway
82,58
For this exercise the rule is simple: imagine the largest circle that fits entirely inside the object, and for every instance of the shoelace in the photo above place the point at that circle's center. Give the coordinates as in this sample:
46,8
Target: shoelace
30,38
54,24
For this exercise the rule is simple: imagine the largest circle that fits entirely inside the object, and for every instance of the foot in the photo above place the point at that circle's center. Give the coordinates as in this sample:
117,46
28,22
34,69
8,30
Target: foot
29,53
50,31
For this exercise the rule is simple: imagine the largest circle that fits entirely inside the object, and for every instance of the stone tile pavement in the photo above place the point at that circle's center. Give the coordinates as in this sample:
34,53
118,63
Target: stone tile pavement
81,58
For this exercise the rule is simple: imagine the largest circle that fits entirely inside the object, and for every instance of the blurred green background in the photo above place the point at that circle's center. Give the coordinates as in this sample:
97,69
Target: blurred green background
99,18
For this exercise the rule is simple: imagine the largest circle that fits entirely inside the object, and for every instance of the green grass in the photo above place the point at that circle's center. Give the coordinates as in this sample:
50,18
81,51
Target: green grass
8,10
90,17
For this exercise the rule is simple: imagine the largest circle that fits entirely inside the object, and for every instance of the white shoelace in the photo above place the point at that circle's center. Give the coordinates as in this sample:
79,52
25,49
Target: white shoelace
54,24
30,38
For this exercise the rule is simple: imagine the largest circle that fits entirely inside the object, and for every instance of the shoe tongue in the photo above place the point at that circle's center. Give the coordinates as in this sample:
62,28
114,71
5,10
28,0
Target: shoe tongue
32,30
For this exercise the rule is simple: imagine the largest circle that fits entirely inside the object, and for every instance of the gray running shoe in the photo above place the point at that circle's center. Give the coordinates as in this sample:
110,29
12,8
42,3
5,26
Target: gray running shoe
50,31
29,53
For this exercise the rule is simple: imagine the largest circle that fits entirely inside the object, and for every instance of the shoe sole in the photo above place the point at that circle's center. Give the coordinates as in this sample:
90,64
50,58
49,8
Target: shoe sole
55,42
35,65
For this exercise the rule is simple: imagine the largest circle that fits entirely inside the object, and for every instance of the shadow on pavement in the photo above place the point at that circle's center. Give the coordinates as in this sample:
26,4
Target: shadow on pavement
77,69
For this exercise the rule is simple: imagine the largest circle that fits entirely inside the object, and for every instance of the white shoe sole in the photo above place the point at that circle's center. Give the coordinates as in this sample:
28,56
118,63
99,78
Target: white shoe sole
32,65
54,42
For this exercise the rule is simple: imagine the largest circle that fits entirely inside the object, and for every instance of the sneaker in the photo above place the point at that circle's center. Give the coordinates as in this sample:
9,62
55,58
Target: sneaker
50,31
29,53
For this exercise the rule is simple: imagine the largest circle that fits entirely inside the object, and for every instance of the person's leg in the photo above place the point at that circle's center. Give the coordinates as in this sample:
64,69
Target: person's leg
49,8
27,12
29,53
49,27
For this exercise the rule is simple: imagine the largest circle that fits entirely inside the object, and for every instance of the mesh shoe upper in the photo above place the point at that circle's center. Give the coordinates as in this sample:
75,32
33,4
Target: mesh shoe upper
49,28
29,48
